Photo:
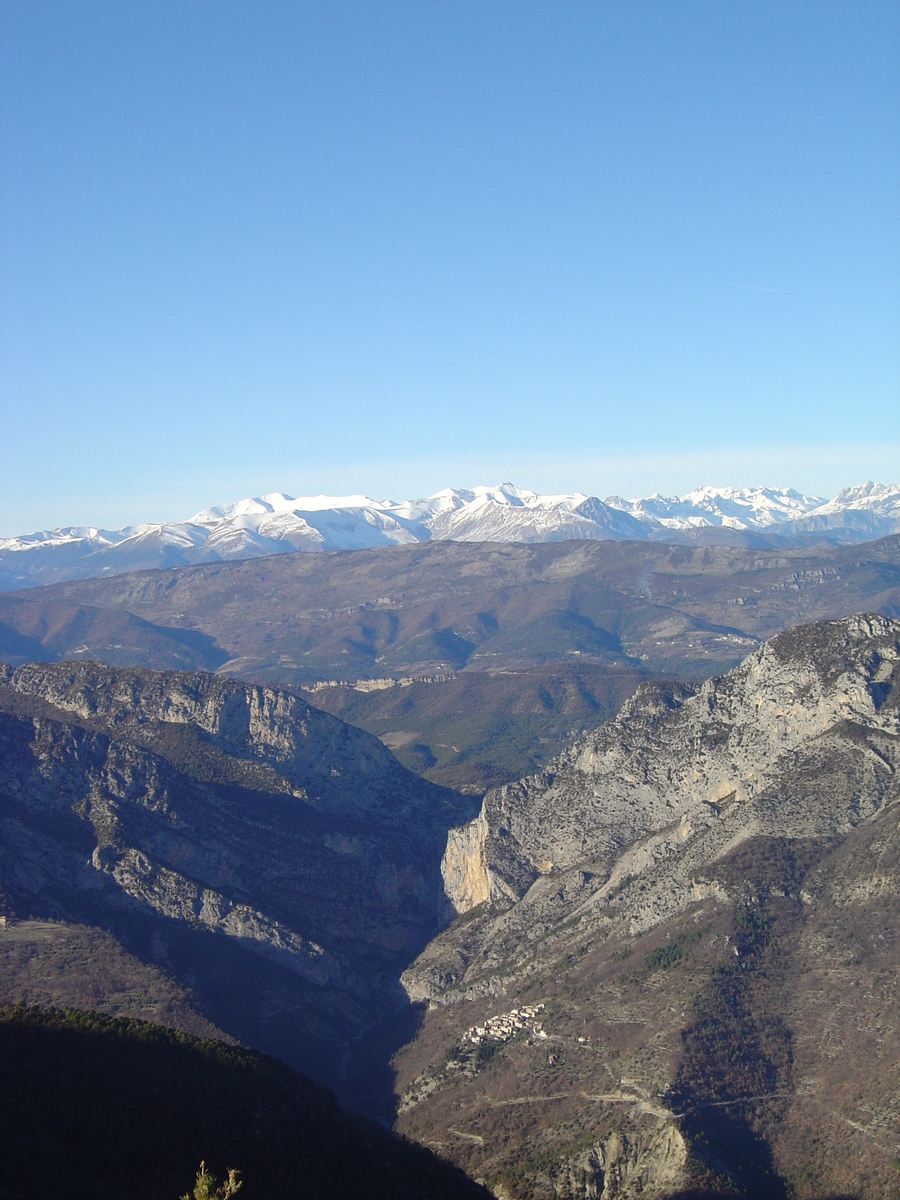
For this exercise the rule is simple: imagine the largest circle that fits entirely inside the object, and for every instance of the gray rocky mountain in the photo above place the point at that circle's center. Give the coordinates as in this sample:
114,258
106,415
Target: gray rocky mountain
732,843
683,775
280,864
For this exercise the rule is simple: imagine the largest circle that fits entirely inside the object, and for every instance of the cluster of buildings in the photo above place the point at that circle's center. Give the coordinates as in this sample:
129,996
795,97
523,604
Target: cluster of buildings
506,1025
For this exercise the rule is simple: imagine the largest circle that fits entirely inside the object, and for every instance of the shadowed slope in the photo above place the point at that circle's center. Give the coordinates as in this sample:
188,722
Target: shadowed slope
277,862
94,1109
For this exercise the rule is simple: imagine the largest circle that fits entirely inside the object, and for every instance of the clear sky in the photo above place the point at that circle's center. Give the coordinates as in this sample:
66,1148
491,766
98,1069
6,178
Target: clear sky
393,247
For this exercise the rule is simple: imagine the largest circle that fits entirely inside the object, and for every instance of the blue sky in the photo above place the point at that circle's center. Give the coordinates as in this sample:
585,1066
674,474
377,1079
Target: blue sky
611,247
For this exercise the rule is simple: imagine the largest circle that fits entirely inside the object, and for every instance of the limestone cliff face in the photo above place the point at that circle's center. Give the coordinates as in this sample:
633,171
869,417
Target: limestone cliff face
800,740
466,880
481,865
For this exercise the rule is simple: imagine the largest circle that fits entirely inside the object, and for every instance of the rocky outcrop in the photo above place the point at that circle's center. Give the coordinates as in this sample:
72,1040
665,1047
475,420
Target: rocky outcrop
482,865
624,1167
173,895
466,880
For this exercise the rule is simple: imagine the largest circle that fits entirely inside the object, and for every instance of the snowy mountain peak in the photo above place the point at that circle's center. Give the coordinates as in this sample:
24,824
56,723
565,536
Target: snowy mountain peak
867,496
277,523
732,508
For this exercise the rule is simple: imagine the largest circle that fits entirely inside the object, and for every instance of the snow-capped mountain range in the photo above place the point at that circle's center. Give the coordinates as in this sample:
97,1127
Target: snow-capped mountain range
281,524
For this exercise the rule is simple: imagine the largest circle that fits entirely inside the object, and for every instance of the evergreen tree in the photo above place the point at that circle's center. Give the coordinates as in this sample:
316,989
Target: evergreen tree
205,1188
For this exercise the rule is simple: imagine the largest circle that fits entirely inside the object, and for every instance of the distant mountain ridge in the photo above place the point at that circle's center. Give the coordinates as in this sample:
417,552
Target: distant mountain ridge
280,524
525,644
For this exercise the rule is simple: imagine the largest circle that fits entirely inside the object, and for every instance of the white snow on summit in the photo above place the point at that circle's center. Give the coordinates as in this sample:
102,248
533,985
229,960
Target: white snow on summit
280,524
868,497
730,508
